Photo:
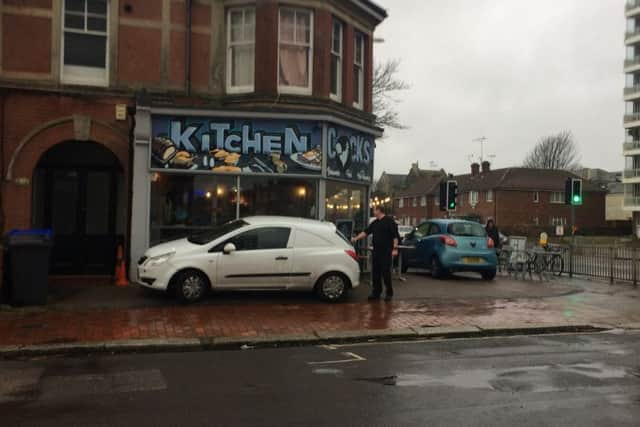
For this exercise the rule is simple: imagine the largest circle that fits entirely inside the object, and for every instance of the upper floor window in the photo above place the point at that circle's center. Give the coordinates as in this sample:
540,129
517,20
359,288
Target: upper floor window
423,201
414,202
557,197
489,195
295,52
336,60
473,198
241,24
358,71
84,42
536,197
401,203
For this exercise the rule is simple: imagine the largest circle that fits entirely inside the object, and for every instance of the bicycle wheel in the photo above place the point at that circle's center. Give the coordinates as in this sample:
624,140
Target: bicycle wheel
557,265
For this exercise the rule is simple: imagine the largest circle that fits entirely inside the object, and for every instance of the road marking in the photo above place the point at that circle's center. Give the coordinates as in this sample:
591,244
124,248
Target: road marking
352,357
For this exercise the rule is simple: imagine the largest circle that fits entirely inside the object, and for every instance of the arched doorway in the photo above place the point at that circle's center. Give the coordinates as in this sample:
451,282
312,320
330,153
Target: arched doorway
77,192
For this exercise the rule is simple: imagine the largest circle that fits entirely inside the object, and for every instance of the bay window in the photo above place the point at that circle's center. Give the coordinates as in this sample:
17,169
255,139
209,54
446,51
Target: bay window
336,60
358,71
241,24
84,42
295,53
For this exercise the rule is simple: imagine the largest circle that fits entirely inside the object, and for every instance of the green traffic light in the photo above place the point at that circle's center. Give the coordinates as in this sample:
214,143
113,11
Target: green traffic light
452,205
576,199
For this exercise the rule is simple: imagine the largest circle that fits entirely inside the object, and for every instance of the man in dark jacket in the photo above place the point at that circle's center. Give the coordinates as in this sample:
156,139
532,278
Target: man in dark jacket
492,231
385,247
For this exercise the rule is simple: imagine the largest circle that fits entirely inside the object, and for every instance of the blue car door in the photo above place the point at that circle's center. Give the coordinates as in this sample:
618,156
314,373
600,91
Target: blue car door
424,246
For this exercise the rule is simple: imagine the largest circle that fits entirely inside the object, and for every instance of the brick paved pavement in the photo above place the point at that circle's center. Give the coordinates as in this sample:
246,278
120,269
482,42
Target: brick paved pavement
598,304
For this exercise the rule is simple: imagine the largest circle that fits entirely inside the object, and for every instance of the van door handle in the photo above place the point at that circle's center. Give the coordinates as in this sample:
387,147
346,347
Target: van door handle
282,258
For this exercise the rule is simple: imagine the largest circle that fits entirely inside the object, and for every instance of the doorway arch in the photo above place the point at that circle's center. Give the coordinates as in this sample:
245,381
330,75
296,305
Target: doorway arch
77,192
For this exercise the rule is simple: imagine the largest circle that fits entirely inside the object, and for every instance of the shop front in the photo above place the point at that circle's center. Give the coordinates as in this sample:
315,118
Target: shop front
196,169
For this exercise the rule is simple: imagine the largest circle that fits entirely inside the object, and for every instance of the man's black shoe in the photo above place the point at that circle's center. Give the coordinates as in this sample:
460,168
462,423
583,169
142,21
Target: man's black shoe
373,297
388,298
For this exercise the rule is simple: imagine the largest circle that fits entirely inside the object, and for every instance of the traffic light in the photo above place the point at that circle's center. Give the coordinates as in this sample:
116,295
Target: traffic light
448,195
573,192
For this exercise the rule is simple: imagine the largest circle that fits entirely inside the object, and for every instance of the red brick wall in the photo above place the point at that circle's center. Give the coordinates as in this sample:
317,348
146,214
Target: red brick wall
139,56
414,214
322,54
26,43
266,78
25,113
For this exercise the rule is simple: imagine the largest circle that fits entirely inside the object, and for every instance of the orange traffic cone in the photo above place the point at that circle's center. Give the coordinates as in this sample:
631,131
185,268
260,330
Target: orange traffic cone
121,270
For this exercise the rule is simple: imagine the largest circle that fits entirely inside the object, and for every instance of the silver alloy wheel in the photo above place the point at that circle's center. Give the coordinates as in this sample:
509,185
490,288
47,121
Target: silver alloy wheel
192,287
333,287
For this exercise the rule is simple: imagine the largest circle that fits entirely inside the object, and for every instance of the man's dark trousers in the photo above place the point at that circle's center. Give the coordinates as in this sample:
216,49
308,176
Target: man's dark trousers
381,270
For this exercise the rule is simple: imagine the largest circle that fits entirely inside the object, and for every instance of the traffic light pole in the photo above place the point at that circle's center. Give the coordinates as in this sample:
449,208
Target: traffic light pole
573,238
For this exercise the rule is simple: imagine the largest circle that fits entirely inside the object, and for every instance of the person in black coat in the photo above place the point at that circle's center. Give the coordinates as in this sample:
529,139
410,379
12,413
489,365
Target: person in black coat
494,234
385,246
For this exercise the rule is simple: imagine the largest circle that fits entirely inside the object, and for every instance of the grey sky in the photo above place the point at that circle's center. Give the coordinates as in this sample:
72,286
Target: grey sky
510,70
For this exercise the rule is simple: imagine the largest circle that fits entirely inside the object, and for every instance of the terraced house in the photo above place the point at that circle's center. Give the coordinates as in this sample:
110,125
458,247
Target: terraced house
136,121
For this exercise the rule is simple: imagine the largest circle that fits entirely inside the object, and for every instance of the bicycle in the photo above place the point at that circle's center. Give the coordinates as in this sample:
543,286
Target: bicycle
555,259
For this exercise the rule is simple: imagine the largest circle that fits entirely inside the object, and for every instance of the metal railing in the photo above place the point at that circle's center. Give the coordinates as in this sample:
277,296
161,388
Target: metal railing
632,173
631,201
631,4
627,146
630,90
609,263
631,62
633,117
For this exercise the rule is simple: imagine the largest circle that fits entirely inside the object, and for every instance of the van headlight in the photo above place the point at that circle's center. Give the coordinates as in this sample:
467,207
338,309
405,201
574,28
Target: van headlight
157,260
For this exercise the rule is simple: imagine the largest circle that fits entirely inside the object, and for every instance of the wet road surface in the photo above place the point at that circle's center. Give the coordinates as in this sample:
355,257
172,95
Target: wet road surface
552,380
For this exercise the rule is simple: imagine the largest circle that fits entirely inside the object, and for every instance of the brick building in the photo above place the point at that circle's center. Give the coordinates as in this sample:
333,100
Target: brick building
417,199
518,199
139,121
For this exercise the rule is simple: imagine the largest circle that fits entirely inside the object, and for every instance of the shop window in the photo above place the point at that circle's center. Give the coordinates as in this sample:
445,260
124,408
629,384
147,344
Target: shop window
358,71
241,24
295,54
336,60
187,204
84,42
346,205
278,196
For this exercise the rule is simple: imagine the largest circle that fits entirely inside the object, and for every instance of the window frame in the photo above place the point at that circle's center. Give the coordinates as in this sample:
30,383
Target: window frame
295,90
414,202
401,202
339,55
220,247
79,74
474,198
536,197
557,201
423,201
489,196
229,83
359,88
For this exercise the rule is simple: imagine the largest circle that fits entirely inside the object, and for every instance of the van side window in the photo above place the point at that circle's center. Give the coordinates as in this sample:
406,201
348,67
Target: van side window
259,239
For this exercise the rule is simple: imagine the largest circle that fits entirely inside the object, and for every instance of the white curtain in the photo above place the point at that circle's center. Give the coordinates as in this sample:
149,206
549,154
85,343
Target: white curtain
294,61
243,65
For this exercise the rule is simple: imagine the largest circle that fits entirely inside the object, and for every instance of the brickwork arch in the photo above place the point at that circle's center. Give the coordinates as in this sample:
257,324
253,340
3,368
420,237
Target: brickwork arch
24,159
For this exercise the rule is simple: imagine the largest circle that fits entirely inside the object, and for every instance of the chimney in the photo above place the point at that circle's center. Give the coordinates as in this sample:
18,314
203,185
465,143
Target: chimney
475,169
486,166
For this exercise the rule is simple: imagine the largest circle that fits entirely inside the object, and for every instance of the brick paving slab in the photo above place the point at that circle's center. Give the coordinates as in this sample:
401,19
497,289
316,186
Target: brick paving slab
256,321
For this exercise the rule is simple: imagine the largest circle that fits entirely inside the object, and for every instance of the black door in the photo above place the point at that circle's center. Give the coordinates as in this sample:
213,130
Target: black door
75,195
80,210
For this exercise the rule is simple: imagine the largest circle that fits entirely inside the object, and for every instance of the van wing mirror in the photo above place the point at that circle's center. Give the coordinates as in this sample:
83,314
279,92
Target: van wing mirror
229,248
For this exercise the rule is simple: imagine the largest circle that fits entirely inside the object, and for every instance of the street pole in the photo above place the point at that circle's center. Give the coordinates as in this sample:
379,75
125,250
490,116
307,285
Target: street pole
573,238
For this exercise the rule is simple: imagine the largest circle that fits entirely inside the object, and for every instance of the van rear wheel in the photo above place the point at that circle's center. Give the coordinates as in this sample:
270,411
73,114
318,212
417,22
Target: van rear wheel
332,287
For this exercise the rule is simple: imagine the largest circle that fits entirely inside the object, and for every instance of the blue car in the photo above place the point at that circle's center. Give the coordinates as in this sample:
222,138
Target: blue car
447,246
